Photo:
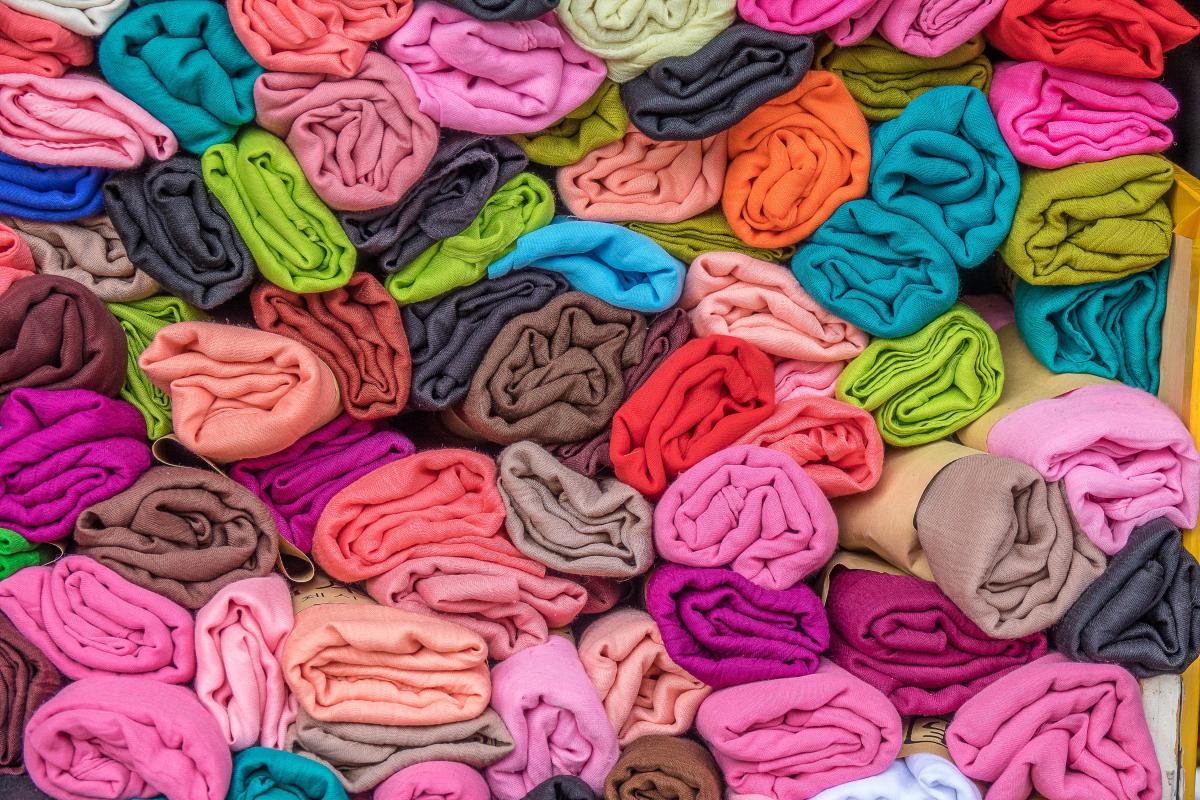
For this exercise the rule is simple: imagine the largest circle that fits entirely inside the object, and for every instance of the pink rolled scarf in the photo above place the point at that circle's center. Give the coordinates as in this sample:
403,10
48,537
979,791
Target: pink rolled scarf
932,28
752,509
434,780
801,16
1053,116
77,121
240,634
798,378
493,77
89,621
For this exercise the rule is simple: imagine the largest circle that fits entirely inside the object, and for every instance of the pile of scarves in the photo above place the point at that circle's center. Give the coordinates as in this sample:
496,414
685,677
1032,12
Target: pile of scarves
566,399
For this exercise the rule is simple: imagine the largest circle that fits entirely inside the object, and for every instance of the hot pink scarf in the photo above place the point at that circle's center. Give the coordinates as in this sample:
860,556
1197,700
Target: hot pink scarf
932,28
800,16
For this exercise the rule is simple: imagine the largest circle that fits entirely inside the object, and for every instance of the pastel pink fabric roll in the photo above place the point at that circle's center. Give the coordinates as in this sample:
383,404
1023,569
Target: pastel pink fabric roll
493,77
799,378
752,509
89,621
1063,730
361,141
932,28
120,738
240,635
1123,456
77,121
16,259
555,718
1052,116
733,294
434,780
800,16
637,178
790,738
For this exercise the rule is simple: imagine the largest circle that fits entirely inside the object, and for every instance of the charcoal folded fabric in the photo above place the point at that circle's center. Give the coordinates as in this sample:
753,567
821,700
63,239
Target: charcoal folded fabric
713,89
1112,328
434,780
505,10
917,776
557,722
381,666
561,787
794,737
237,392
705,233
495,77
599,120
60,452
448,336
28,679
903,636
295,240
48,193
1091,222
39,46
86,17
664,768
174,229
360,140
184,533
363,756
465,171
260,771
1142,613
17,553
570,522
555,374
1016,734
725,630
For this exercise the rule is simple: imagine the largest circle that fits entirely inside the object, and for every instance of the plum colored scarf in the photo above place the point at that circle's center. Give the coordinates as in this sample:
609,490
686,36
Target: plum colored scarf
39,46
27,679
434,780
664,768
47,193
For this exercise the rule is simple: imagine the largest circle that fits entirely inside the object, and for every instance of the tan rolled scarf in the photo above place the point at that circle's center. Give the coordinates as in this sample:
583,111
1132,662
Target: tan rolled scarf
664,768
644,692
570,522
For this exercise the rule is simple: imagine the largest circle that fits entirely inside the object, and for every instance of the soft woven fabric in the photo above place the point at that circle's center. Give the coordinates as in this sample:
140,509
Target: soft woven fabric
790,16
799,378
237,392
295,240
16,259
434,780
17,553
48,193
39,46
492,77
704,234
507,10
932,28
918,776
27,679
85,17
664,768
261,771
601,119
561,787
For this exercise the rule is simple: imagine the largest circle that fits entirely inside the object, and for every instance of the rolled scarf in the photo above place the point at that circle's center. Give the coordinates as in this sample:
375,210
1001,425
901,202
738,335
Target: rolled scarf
237,392
555,374
85,17
639,178
794,737
789,16
89,252
160,54
360,140
1127,37
16,259
903,636
285,776
492,77
520,206
184,533
664,768
944,165
297,482
703,398
295,240
644,692
1014,734
603,593
434,780
929,384
363,756
918,776
884,80
504,10
733,294
240,635
60,452
77,121
324,36
751,509
448,336
17,553
798,378
561,787
1091,222
708,92
557,722
39,46
381,666
55,334
706,233
570,522
356,330
38,192
28,680
1112,329
466,170
600,120
931,28
794,160
177,233
1056,116
615,264
420,505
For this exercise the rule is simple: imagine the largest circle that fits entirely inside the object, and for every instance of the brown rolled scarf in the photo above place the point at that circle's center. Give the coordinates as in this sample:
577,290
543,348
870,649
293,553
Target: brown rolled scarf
356,330
664,768
182,532
570,522
556,374
27,679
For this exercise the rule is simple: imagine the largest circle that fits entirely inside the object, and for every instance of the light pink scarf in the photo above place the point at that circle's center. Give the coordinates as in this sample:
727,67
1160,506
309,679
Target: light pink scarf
434,780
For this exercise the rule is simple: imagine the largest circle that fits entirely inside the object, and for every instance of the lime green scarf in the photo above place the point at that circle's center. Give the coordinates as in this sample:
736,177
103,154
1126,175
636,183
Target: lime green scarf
599,121
17,552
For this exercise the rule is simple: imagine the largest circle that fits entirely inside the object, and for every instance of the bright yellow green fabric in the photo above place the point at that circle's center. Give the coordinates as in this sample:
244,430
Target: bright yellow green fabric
600,121
706,233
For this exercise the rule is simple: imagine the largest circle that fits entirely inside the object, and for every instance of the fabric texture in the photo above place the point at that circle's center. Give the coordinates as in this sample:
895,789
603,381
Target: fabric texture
792,17
507,10
261,770
664,768
41,192
599,120
17,553
705,233
28,680
561,787
39,46
930,28
432,780
918,776
87,17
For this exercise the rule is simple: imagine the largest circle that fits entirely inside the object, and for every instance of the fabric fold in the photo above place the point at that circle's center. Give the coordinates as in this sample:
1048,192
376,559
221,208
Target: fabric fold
561,787
796,18
664,768
599,120
85,17
932,28
705,233
28,680
917,776
434,780
17,553
39,46
504,10
260,771
46,193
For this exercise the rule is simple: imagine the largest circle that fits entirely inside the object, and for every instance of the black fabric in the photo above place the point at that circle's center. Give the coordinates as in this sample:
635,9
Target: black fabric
561,787
1182,77
507,10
